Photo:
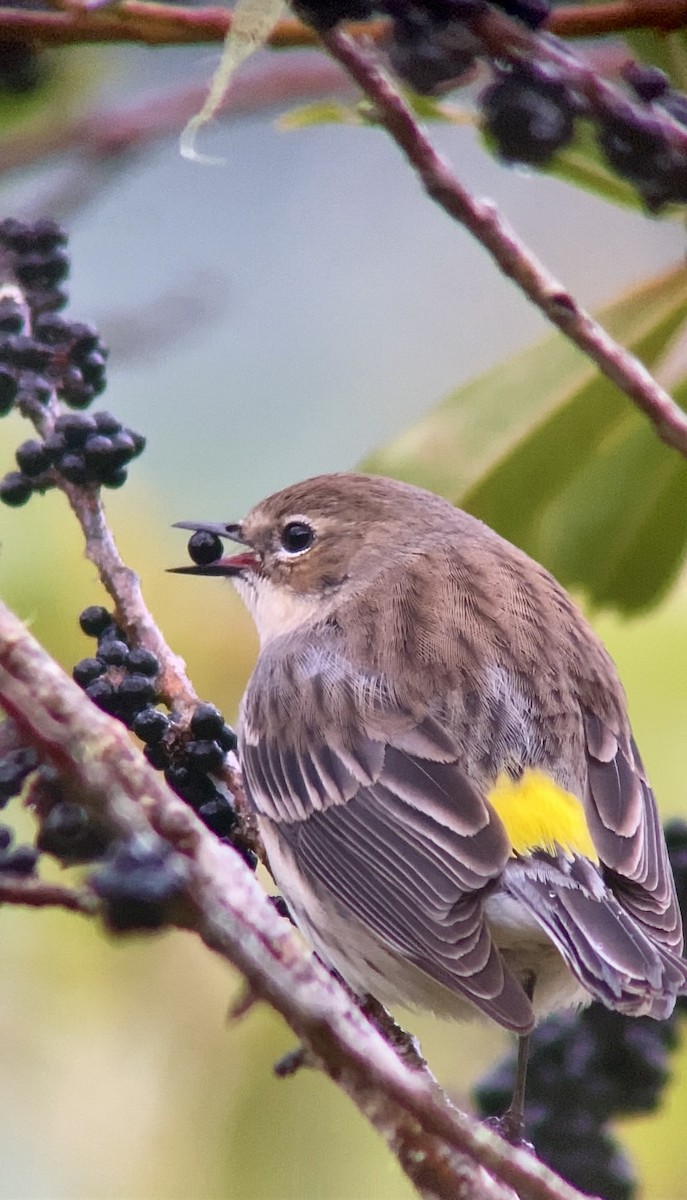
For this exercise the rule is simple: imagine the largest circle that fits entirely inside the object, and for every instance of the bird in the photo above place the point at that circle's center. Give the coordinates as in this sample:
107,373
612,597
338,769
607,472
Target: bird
437,749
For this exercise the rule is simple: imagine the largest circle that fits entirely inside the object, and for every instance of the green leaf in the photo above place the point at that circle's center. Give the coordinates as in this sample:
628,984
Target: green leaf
552,455
320,112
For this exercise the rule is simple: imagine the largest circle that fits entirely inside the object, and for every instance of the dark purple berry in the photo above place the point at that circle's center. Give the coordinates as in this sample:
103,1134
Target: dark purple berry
113,652
69,833
532,13
635,146
219,816
93,369
206,721
33,458
74,390
227,738
106,422
94,620
112,633
136,692
99,458
103,693
122,448
204,548
648,83
430,50
21,861
139,442
8,390
6,836
84,338
158,756
249,857
42,271
55,446
324,14
114,477
195,789
11,317
150,726
529,114
52,329
72,466
279,903
87,670
143,661
138,881
206,755
75,428
15,489
24,351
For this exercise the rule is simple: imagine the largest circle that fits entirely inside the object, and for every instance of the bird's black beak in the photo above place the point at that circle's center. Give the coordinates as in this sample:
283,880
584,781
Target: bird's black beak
208,553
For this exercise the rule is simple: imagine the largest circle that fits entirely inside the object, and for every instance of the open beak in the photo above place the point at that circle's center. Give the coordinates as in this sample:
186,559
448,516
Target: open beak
234,564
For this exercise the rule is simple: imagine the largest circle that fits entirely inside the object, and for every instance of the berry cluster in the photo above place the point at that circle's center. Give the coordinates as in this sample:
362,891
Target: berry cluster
430,43
16,764
585,1070
37,259
121,681
43,355
118,679
89,449
530,109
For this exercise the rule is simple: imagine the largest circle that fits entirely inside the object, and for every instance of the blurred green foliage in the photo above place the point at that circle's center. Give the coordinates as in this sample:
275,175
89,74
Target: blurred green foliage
555,457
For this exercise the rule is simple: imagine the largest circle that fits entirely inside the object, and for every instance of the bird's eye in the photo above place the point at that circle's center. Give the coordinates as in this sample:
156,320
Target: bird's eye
297,536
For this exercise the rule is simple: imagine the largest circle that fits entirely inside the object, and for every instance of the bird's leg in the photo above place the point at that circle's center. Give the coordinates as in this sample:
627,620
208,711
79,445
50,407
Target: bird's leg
511,1125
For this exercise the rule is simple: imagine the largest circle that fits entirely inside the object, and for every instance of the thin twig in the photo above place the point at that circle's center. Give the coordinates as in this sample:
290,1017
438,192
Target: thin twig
445,1153
36,893
511,254
124,587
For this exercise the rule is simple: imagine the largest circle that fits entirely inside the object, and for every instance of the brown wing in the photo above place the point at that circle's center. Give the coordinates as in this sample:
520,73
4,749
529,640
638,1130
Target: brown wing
625,826
394,835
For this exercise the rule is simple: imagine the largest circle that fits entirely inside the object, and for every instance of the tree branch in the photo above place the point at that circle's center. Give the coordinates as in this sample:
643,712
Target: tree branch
511,255
173,25
445,1153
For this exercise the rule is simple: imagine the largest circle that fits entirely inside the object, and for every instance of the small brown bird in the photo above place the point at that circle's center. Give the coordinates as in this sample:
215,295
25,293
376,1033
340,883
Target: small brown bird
437,747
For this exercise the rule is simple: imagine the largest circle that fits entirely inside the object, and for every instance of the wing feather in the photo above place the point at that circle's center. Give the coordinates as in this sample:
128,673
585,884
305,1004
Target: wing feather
624,822
391,833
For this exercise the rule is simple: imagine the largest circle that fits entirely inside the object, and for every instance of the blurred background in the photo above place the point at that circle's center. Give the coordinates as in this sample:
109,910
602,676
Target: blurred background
284,314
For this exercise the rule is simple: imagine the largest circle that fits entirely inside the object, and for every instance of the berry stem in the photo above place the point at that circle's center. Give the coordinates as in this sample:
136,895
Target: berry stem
36,893
511,255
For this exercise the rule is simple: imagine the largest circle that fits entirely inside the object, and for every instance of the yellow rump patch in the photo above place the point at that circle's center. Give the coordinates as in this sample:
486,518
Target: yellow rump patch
540,815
